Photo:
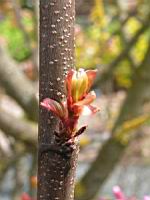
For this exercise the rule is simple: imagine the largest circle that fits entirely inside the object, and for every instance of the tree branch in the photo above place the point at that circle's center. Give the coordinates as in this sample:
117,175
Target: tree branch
55,170
112,151
111,67
17,85
34,52
19,129
125,42
8,163
18,16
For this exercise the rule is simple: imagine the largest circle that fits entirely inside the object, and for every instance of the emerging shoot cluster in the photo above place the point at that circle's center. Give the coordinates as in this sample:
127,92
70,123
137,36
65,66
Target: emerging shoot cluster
77,102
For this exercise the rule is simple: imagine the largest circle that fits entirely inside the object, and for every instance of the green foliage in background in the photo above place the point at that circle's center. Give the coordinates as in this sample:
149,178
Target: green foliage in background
100,42
98,39
15,39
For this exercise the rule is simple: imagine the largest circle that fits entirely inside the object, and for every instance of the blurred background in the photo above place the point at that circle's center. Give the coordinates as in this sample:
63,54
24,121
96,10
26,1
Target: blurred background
112,36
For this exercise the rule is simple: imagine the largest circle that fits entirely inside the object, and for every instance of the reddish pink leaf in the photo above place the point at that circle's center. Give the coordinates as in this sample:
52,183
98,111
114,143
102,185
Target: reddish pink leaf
57,108
89,110
25,196
69,81
79,98
89,98
91,77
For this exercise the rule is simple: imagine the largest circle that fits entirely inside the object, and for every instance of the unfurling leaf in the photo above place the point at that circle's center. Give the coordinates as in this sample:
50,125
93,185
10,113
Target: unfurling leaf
78,101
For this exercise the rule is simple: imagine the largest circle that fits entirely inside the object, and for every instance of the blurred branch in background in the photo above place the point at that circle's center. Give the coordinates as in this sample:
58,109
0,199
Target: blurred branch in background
18,79
9,162
138,93
83,7
27,38
125,40
17,12
17,85
112,151
21,130
106,75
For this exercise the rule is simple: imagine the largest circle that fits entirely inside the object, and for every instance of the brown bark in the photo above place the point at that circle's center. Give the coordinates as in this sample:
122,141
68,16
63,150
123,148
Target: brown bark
55,171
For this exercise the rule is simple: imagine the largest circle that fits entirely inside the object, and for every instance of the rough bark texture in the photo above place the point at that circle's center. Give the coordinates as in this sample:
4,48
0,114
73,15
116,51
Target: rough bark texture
55,172
112,151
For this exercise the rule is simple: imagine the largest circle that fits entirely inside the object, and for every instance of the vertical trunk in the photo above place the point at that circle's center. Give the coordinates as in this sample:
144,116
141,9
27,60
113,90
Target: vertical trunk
55,172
